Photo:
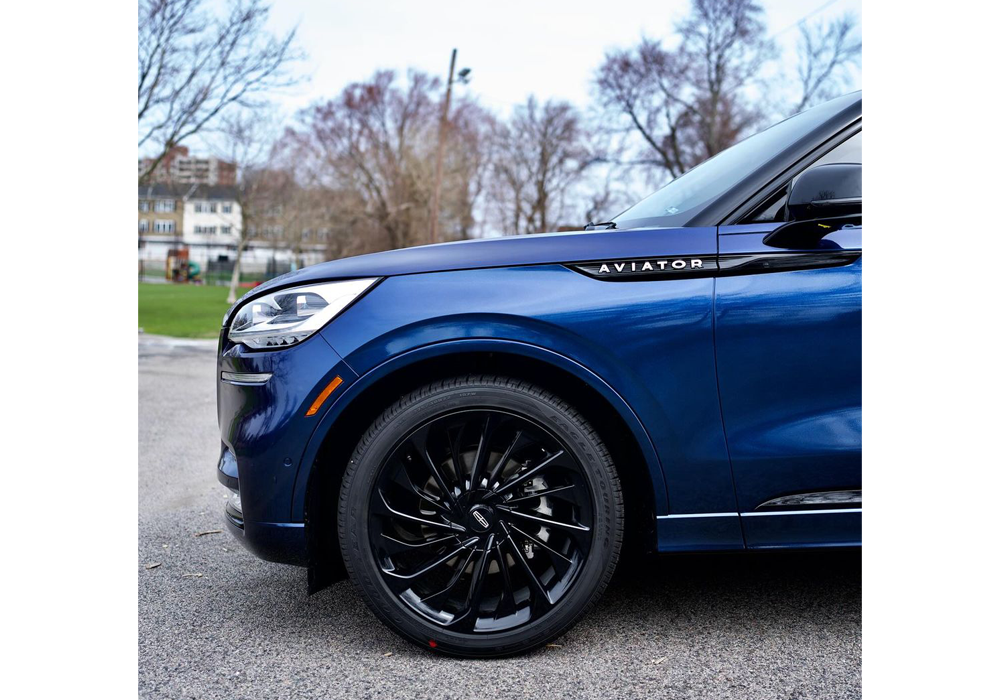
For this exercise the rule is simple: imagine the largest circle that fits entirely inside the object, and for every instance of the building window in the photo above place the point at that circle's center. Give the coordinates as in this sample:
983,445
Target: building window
163,226
227,208
225,230
143,205
164,205
205,229
212,207
143,225
197,207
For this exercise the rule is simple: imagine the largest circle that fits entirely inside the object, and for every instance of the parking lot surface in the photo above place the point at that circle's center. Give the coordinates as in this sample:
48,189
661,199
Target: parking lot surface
215,622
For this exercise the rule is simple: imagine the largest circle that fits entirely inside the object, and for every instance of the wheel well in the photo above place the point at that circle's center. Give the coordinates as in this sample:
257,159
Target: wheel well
323,490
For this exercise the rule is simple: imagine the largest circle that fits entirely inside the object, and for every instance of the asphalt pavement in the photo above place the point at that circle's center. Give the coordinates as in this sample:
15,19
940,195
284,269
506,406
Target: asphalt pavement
215,622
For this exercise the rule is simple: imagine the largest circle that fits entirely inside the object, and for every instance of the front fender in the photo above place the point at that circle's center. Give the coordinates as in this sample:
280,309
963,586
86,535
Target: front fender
413,355
651,343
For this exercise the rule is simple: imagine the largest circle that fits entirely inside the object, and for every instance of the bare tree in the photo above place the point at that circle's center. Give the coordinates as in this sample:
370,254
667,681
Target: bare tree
687,104
826,50
249,140
194,69
539,155
466,173
373,146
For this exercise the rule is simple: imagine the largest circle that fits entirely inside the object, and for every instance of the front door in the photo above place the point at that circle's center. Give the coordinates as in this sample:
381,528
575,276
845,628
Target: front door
788,347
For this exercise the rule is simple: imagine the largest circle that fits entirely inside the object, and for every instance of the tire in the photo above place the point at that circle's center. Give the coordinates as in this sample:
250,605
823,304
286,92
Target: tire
532,523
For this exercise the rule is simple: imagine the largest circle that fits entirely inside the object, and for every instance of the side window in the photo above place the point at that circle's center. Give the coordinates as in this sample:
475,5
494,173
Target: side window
773,208
847,152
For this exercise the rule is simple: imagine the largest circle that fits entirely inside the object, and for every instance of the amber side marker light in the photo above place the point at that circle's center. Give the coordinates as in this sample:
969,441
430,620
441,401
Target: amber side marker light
324,395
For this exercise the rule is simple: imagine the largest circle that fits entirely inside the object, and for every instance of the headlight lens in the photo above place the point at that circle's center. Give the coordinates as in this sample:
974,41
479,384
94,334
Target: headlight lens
290,316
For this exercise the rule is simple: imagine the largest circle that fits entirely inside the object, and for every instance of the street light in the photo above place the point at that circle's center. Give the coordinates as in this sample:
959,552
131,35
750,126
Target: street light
463,78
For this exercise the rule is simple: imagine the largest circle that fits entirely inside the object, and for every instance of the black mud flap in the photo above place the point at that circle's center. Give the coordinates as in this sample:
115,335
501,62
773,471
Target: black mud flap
324,574
325,564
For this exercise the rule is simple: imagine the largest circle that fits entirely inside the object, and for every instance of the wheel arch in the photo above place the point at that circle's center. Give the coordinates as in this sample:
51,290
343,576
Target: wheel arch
342,426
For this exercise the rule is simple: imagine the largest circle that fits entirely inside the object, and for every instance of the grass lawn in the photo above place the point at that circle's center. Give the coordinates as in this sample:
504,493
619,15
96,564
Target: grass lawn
182,310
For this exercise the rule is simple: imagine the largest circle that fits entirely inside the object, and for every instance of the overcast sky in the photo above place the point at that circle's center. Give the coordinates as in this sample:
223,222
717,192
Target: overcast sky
514,47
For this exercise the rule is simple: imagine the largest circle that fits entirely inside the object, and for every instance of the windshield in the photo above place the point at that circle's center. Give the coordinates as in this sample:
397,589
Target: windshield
686,196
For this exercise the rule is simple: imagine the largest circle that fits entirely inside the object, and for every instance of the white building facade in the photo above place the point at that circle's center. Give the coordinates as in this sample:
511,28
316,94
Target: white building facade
206,221
212,219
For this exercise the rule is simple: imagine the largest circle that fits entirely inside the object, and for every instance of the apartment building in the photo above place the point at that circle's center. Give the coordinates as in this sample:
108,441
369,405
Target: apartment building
161,218
206,220
212,219
179,167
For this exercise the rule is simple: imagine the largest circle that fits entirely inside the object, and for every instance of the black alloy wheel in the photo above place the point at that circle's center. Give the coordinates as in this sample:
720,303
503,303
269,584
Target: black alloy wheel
480,516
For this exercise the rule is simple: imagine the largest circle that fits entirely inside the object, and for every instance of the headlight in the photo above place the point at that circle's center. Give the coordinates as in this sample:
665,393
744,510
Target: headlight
290,316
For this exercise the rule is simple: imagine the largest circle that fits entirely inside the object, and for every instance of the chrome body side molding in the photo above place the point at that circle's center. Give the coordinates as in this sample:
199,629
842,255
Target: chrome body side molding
806,501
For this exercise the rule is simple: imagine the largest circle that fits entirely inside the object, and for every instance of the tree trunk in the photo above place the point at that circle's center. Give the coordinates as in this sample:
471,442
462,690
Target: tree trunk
234,283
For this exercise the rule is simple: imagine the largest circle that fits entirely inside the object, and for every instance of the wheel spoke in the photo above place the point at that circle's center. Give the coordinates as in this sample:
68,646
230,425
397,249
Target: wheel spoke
483,450
455,449
528,474
467,619
541,544
401,546
419,442
545,521
452,582
434,564
433,500
508,587
415,519
532,579
539,494
498,469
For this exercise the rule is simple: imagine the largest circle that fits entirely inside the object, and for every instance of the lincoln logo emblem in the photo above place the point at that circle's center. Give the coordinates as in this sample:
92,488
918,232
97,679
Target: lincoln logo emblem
649,266
481,519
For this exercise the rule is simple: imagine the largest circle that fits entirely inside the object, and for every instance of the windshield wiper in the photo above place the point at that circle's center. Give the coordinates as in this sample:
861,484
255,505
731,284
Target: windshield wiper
591,226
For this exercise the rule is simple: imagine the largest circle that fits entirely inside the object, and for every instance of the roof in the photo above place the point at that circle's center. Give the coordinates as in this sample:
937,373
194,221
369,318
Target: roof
163,191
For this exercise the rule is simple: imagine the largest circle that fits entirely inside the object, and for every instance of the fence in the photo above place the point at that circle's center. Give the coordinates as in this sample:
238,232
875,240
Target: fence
214,272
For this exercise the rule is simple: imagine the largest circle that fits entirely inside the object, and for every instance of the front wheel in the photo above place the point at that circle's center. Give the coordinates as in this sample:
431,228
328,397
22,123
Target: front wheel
480,516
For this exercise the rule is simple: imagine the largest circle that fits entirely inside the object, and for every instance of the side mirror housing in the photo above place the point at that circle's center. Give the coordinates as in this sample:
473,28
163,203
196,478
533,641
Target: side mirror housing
826,191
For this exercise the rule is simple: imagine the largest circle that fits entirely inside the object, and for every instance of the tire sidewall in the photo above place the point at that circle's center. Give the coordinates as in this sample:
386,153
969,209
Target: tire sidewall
361,477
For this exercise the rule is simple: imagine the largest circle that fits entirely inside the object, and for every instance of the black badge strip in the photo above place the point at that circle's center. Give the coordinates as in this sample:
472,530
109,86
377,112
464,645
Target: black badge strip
727,265
757,263
650,269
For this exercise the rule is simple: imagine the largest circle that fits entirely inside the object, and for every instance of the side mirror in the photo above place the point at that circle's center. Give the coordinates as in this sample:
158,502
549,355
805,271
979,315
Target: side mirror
826,191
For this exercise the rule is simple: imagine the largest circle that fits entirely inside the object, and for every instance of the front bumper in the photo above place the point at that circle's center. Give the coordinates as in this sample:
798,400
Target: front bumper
284,543
265,431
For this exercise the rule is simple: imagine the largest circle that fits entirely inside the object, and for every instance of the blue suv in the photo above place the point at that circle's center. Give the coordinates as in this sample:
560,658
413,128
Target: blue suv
473,431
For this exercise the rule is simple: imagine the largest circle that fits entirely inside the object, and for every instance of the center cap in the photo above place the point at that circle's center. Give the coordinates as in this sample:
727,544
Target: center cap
481,518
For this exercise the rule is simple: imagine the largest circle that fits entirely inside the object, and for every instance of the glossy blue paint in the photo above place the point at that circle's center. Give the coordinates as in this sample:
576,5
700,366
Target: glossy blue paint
651,341
510,251
699,532
344,399
789,360
803,529
264,427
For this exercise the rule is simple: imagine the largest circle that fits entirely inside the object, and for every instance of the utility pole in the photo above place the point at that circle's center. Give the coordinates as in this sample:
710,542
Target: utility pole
442,133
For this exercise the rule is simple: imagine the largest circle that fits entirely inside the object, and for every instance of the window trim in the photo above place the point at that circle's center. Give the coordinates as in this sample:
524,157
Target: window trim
749,206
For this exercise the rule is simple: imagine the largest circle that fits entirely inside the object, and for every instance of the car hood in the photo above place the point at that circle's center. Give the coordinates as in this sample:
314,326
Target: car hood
507,251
